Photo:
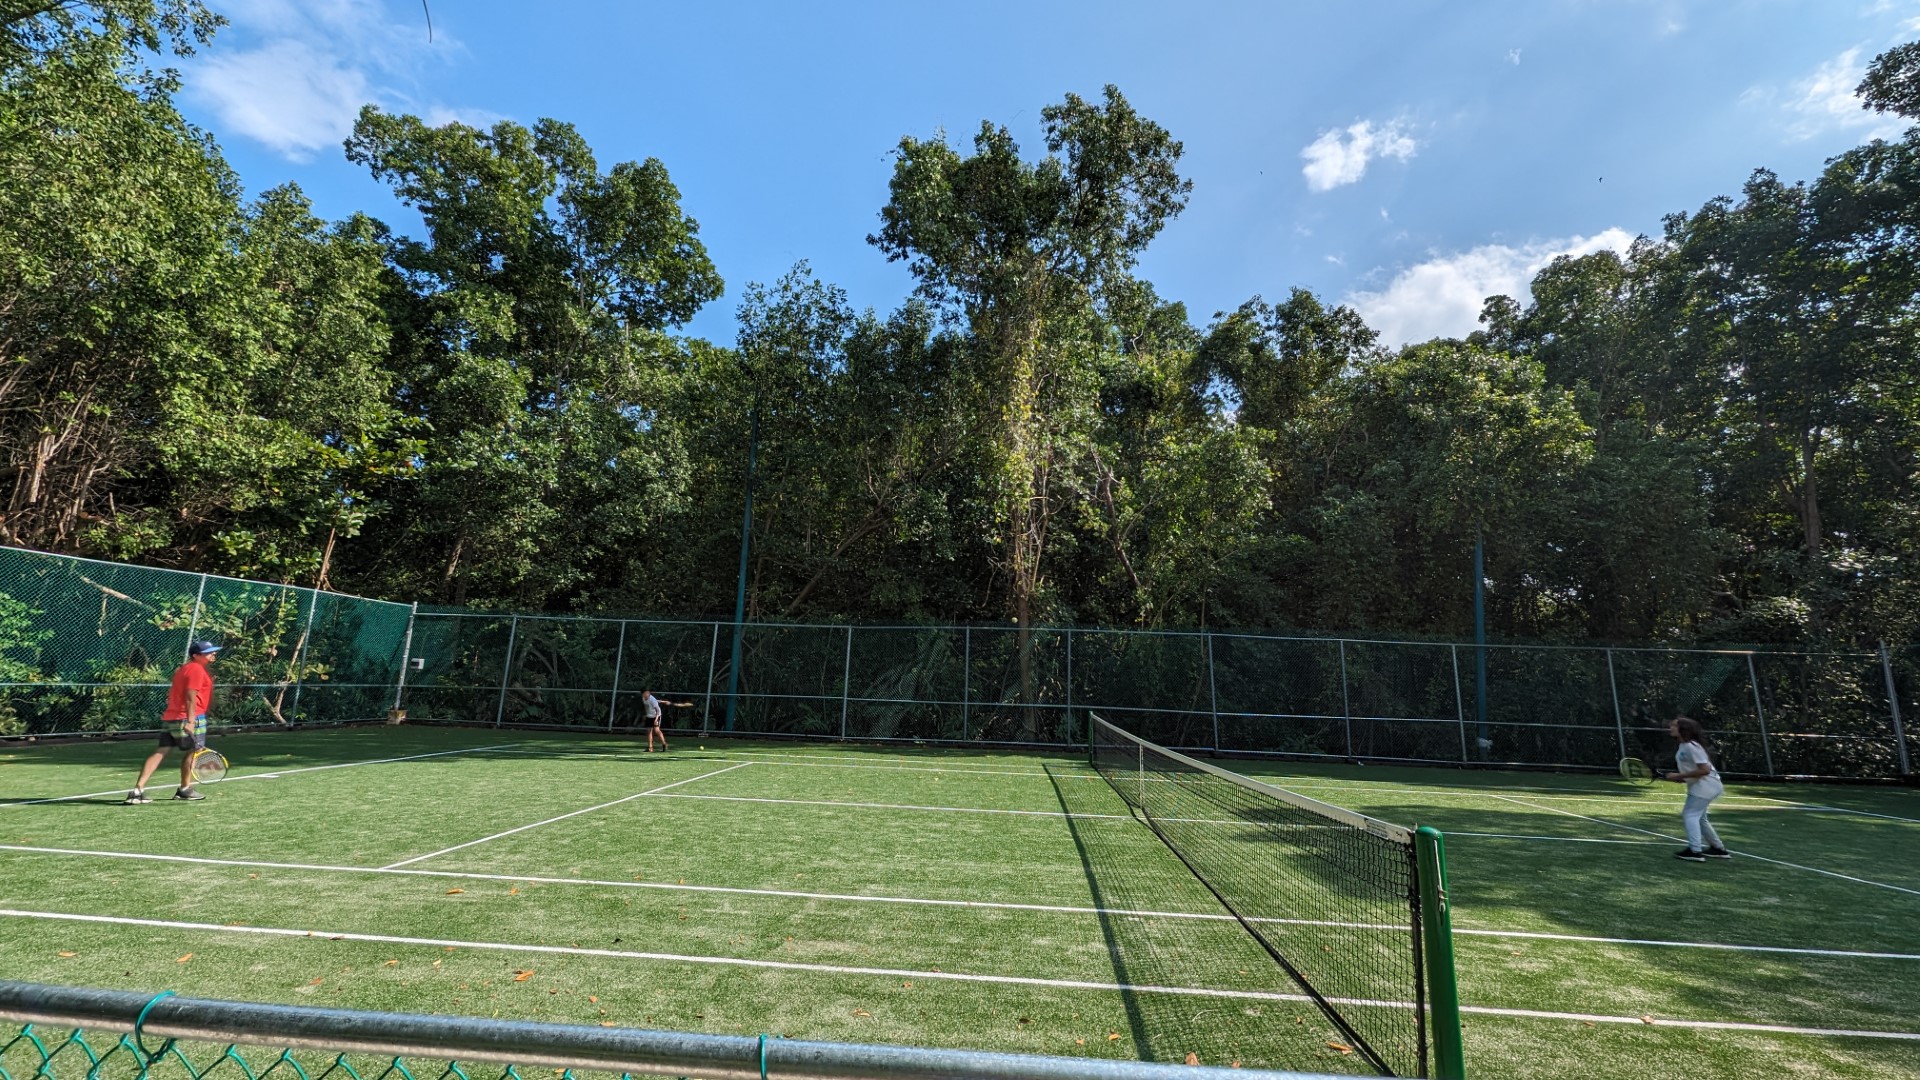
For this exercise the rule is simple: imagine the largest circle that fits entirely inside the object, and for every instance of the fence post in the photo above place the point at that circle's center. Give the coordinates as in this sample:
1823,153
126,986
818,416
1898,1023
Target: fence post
193,623
1619,725
1069,686
1459,701
1893,702
300,651
506,669
966,680
713,657
406,655
1766,746
846,682
619,655
1346,706
1213,694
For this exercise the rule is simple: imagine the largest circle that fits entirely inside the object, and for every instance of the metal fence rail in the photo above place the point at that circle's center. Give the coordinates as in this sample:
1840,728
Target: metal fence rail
87,646
142,1035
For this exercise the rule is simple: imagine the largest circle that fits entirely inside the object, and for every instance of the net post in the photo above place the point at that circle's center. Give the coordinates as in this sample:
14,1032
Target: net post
1213,693
506,669
1760,714
619,654
406,656
1613,687
1069,686
1893,703
846,682
1436,928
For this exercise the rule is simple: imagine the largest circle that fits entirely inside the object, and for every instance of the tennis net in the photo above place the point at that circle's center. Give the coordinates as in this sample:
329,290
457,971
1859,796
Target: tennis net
1334,896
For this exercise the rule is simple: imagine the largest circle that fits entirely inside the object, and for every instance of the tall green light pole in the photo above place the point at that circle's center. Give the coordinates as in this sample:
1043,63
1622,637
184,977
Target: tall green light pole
740,589
1480,644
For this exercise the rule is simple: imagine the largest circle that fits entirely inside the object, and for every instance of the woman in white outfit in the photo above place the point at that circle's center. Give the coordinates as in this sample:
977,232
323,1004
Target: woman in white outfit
1703,786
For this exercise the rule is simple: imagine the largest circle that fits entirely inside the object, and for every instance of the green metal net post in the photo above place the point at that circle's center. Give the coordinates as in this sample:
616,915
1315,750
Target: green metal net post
1436,924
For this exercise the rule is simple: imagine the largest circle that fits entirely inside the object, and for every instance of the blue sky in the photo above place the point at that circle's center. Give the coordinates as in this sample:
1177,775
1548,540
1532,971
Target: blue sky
1406,156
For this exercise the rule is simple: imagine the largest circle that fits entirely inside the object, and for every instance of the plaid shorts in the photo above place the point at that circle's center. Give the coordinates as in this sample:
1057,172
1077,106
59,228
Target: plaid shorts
174,735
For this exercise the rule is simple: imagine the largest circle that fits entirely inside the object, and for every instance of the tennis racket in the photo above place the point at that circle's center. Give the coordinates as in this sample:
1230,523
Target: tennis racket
208,766
1636,771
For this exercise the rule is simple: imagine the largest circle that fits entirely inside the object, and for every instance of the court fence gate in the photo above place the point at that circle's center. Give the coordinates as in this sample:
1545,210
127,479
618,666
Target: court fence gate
87,646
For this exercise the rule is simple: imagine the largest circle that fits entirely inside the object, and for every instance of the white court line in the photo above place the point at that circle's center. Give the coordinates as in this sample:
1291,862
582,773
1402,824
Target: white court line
276,775
1742,854
899,806
944,976
562,817
1063,909
1566,839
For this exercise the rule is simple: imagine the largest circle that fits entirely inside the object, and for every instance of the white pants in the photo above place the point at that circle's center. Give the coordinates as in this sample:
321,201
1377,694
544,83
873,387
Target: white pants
1694,816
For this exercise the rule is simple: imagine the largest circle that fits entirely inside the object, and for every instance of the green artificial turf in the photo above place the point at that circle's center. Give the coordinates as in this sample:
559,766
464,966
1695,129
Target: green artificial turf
828,891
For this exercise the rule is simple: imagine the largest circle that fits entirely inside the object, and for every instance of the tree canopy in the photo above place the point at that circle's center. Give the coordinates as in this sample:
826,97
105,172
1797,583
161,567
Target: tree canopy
1712,436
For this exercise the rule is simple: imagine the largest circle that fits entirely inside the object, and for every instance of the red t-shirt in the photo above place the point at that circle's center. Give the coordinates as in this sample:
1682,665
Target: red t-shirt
194,677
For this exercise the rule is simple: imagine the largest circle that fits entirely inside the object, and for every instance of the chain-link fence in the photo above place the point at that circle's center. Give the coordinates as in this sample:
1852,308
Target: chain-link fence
1772,713
89,646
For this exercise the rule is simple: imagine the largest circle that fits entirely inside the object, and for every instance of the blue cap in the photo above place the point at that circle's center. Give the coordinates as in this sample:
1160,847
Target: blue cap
201,648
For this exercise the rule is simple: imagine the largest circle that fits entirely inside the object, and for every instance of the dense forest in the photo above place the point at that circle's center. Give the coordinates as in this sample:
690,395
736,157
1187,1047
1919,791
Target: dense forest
1714,437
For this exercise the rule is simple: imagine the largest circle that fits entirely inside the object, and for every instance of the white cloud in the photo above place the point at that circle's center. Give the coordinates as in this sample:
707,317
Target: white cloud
1442,297
1513,57
1338,158
293,75
1824,102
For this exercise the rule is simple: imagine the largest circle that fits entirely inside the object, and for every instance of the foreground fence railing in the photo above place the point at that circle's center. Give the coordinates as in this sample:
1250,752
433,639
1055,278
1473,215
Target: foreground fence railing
86,646
71,1033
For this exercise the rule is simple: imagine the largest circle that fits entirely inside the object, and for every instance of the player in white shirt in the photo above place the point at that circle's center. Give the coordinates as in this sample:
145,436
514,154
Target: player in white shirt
652,705
1695,769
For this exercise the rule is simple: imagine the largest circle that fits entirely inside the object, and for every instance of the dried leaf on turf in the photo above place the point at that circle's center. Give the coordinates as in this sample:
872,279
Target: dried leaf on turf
452,892
593,999
391,963
316,982
1112,1036
522,976
1193,1058
861,1012
1079,1042
1342,1047
1646,1019
69,954
184,959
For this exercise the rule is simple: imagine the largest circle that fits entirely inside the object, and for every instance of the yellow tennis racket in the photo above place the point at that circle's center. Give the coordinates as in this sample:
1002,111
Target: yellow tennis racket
208,766
1636,771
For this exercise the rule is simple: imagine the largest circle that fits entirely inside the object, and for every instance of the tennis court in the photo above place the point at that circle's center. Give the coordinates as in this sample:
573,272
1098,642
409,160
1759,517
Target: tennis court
954,898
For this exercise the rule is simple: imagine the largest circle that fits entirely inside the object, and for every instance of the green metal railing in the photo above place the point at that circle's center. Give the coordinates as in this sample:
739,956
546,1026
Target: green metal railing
78,1034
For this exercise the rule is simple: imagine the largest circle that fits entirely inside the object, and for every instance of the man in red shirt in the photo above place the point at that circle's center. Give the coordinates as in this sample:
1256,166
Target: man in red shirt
184,724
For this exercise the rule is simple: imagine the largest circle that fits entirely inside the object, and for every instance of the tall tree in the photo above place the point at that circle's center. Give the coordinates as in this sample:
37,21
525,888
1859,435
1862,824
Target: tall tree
1023,254
534,352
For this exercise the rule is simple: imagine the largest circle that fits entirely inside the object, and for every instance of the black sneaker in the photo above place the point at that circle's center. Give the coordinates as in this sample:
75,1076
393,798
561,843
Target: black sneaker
188,794
1688,854
137,796
1719,853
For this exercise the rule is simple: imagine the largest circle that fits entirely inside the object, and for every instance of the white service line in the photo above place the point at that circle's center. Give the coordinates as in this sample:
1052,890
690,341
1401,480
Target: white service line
944,976
865,898
1450,834
562,817
275,775
899,806
1742,854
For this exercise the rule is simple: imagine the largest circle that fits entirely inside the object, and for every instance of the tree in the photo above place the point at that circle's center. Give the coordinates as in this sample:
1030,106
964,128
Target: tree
1023,255
533,350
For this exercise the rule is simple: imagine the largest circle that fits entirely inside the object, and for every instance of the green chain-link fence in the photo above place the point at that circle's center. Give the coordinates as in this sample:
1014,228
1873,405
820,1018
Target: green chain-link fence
89,646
